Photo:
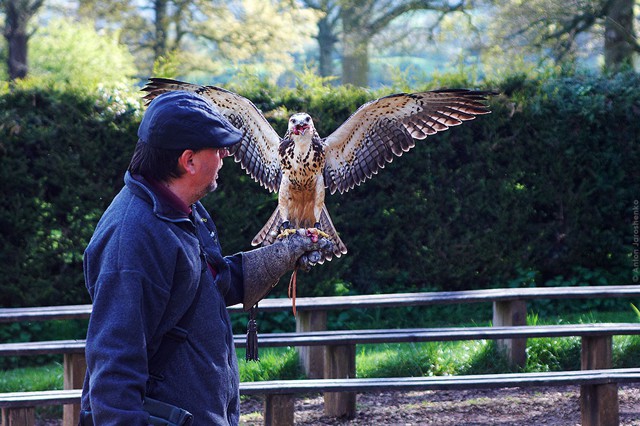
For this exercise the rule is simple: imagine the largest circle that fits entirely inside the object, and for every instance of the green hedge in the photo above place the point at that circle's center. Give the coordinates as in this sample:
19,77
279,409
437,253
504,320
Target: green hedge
541,190
62,161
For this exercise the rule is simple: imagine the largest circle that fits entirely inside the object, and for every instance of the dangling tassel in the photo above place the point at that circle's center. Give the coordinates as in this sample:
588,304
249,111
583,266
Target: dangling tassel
292,288
252,336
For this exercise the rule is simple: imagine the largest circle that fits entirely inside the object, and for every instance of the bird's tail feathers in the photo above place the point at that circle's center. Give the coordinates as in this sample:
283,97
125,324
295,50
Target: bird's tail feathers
326,225
269,231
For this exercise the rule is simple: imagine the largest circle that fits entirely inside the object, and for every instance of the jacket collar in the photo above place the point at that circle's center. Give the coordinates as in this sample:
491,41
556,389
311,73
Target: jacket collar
164,206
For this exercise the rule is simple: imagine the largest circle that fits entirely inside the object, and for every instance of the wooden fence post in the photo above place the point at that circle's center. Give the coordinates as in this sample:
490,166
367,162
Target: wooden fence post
598,403
311,357
75,367
340,363
510,313
278,410
25,416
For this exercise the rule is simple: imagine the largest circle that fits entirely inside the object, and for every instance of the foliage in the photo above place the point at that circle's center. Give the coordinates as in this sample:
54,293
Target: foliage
63,158
419,359
262,35
200,38
531,25
70,54
537,192
553,354
168,66
565,31
39,331
626,351
467,315
4,53
17,15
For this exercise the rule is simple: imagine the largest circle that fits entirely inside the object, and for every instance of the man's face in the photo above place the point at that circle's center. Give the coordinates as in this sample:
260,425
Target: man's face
211,163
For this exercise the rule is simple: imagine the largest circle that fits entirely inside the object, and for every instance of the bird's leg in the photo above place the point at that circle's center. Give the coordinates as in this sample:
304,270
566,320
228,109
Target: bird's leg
318,207
285,230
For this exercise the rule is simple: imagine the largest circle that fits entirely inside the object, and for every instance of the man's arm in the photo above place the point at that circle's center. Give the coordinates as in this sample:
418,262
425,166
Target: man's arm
263,267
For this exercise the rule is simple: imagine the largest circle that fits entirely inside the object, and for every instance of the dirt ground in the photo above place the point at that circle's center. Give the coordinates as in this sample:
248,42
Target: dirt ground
557,406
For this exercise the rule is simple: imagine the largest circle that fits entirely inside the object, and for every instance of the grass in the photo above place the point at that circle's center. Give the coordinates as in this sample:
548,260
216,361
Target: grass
418,359
46,377
275,363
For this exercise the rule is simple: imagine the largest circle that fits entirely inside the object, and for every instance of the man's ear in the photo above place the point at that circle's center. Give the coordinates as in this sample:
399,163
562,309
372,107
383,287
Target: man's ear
186,161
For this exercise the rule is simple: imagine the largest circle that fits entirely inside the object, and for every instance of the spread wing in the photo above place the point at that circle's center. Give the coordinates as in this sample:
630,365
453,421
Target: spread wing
257,152
387,127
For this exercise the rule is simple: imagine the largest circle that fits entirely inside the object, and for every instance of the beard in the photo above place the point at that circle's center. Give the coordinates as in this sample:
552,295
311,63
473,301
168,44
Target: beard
207,190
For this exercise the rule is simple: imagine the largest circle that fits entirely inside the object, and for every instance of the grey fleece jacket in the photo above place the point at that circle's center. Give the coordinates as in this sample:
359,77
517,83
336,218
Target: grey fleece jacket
142,268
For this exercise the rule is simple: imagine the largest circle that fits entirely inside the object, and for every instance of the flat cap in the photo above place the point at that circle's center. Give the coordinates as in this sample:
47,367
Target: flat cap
186,120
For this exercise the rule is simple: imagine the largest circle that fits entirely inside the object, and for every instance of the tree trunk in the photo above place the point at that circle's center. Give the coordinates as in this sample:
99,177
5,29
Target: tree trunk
17,16
355,61
618,52
17,60
326,44
161,30
355,46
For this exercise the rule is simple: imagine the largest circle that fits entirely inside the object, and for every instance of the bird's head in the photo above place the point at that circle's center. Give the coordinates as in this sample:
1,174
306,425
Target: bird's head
300,124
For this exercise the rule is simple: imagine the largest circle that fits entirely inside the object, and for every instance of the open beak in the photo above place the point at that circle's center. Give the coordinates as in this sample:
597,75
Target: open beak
300,130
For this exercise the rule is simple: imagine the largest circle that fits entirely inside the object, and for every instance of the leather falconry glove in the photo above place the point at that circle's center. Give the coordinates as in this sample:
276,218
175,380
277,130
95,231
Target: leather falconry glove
264,266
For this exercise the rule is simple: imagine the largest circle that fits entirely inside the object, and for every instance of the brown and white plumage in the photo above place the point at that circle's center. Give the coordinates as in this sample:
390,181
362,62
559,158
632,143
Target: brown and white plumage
301,165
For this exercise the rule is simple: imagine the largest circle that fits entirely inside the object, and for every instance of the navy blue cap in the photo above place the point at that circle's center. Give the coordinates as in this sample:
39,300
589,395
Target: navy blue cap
186,120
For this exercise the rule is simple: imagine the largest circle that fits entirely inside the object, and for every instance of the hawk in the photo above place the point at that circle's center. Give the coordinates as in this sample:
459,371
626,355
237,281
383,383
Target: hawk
301,165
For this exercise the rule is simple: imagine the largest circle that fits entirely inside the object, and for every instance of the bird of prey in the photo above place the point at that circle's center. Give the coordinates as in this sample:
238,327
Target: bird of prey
301,165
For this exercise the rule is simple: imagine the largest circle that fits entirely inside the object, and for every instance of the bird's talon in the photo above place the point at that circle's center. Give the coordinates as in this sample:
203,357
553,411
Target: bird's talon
285,233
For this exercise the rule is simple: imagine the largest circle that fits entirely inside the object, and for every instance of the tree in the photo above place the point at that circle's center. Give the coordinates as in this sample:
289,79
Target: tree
70,53
361,20
556,28
163,36
192,36
18,13
327,33
154,30
620,42
261,36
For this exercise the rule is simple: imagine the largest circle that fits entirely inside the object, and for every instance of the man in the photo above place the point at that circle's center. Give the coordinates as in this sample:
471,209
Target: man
159,330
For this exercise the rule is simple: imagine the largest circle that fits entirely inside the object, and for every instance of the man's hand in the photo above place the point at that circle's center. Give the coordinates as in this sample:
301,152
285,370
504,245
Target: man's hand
308,247
263,267
321,250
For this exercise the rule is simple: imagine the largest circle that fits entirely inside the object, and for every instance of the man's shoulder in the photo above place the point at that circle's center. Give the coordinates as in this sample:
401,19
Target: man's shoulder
130,230
128,209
